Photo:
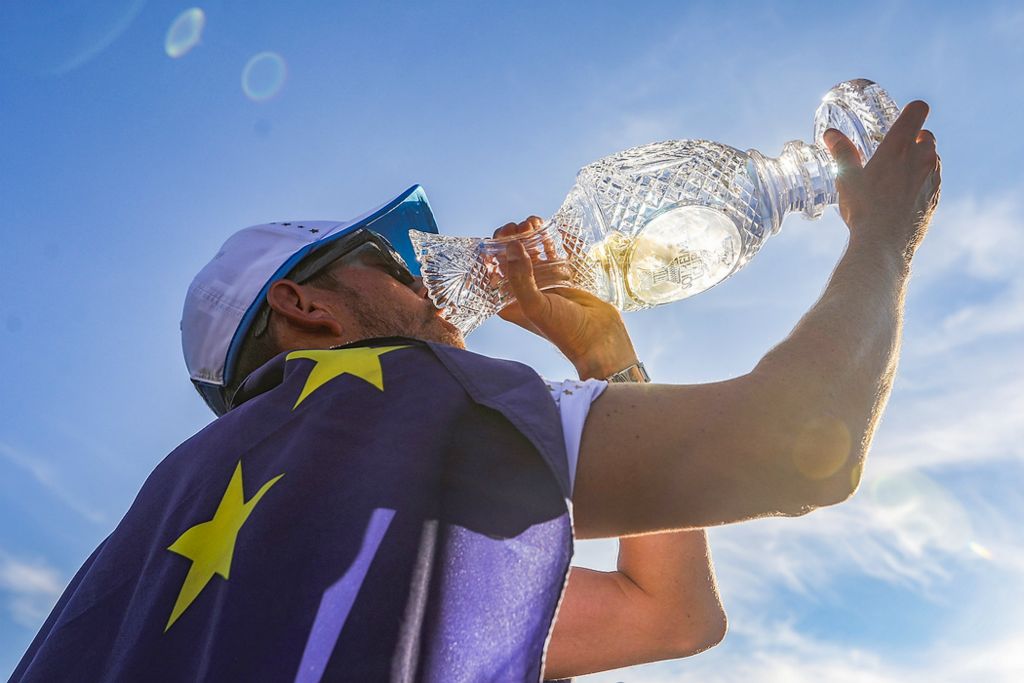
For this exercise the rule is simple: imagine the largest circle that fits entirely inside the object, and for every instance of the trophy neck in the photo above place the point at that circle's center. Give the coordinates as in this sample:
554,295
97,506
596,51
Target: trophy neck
802,178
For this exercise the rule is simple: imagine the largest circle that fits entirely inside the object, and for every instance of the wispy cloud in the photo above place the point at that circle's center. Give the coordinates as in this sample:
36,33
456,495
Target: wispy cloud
980,240
31,587
965,422
774,651
978,236
45,474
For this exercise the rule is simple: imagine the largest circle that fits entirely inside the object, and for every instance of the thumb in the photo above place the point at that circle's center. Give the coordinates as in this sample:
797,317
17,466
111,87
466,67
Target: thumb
520,277
845,153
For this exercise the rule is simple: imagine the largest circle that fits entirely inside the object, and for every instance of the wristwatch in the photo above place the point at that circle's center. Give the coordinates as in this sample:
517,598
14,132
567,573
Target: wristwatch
634,373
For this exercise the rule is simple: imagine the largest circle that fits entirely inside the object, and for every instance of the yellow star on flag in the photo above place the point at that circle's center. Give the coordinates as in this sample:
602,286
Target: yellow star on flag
330,363
211,544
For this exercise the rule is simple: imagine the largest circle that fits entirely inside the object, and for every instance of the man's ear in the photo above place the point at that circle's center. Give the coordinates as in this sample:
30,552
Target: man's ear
300,308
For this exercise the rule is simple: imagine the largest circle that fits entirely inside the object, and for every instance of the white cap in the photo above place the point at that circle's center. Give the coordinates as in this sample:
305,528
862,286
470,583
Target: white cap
226,295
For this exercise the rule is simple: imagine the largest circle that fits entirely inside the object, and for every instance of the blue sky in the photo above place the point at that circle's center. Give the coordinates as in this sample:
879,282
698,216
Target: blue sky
123,169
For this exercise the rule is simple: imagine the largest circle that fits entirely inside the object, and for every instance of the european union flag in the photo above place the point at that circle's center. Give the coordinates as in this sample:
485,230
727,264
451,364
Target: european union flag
391,510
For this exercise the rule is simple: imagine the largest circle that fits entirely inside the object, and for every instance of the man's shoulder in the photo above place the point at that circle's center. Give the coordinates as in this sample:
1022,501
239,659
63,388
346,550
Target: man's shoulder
486,374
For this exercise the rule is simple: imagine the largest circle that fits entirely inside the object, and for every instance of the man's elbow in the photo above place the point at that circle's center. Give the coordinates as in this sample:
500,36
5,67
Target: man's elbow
810,444
686,638
713,634
820,472
806,496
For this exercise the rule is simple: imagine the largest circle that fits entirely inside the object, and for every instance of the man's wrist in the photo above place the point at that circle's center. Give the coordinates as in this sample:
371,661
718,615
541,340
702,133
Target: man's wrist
606,351
890,255
602,365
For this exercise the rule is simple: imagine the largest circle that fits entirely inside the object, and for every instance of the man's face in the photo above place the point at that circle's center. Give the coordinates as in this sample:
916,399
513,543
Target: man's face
370,302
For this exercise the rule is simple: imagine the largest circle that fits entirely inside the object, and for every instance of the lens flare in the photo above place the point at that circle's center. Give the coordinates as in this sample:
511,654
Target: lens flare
822,447
184,33
263,76
980,550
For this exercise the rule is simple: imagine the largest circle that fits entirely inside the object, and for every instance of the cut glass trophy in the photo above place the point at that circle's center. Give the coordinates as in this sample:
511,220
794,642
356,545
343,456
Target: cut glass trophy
660,222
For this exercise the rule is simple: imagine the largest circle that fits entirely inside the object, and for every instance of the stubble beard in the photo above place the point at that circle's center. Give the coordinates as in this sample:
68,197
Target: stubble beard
376,320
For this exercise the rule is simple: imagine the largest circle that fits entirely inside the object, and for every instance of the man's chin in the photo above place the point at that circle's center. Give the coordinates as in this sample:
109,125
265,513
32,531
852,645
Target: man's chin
436,329
446,333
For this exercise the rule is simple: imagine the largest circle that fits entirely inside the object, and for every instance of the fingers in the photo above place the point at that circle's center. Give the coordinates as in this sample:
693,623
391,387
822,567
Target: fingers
540,245
905,130
506,230
511,229
546,248
933,183
923,155
533,223
845,153
521,280
926,145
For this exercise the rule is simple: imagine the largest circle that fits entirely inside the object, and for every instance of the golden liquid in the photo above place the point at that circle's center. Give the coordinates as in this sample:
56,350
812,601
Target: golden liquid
672,258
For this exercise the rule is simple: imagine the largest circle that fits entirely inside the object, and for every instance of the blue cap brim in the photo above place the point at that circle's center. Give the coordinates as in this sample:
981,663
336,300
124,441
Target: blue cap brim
409,211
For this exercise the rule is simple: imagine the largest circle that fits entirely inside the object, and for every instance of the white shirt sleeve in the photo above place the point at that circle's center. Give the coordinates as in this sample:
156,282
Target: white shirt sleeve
573,398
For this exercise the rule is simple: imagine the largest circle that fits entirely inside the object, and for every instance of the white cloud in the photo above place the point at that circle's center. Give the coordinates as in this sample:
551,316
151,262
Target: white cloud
29,578
965,421
1003,314
32,587
980,237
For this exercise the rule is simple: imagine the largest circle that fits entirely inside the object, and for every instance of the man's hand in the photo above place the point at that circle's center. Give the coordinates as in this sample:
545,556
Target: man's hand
587,330
892,199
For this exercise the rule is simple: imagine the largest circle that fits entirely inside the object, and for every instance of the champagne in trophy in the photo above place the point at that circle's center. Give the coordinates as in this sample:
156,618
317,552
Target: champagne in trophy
659,222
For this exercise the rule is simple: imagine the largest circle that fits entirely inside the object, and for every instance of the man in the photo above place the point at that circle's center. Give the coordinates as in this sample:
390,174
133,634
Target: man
398,508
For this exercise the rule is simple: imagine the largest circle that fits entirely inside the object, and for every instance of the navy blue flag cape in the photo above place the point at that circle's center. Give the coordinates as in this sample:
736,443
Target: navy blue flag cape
387,511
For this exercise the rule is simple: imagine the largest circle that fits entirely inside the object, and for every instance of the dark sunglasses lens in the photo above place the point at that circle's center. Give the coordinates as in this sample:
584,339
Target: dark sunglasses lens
377,254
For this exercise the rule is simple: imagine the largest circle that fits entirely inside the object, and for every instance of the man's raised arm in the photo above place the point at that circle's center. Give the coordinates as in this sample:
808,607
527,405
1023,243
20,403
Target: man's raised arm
792,434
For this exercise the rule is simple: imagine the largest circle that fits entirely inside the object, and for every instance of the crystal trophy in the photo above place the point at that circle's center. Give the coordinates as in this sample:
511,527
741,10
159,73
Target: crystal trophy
660,222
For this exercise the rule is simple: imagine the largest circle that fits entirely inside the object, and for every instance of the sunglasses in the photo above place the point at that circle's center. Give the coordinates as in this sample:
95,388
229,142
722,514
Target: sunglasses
362,246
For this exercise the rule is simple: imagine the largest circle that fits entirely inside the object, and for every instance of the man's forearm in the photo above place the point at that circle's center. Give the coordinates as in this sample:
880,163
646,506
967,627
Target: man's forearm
676,571
662,603
831,377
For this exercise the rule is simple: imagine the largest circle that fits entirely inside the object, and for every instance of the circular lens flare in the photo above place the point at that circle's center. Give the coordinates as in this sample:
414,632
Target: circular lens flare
822,447
184,33
263,76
